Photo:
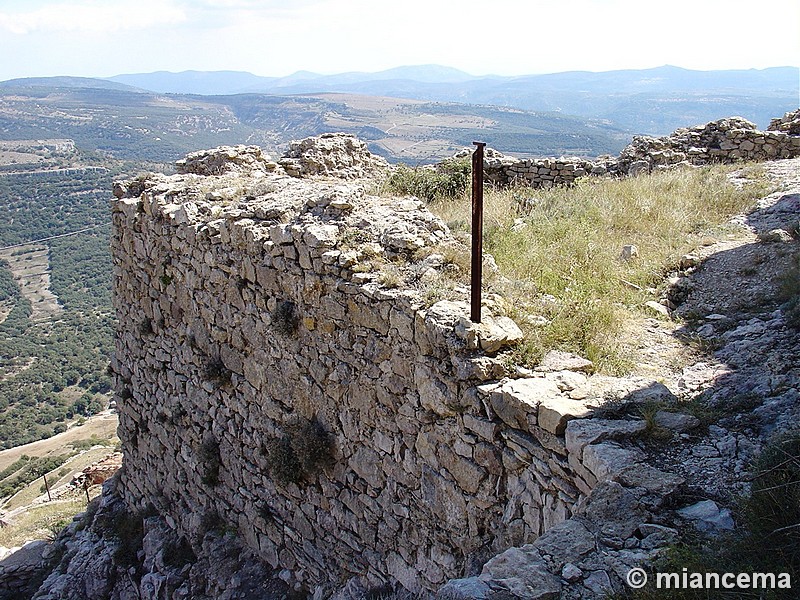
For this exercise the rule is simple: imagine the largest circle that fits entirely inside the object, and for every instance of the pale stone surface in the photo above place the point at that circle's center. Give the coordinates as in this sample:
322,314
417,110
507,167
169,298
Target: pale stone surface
522,574
606,460
555,411
271,319
555,360
707,516
676,421
333,155
519,399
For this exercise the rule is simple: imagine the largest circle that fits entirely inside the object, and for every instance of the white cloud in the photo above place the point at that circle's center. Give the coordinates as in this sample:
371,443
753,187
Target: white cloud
93,16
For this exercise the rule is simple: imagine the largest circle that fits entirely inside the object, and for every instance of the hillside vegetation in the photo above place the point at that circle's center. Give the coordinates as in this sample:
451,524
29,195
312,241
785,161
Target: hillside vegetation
52,366
646,101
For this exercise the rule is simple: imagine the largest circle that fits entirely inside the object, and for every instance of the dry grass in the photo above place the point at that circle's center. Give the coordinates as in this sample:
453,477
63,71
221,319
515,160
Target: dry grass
102,426
563,261
41,522
34,490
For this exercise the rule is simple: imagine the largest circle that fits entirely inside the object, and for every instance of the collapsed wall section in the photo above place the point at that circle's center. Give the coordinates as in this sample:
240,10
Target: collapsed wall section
272,381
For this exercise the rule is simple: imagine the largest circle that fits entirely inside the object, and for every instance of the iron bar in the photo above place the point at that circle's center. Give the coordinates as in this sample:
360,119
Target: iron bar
477,232
47,487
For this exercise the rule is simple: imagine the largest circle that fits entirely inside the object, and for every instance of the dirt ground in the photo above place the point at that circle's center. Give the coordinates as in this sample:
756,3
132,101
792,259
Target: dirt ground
103,426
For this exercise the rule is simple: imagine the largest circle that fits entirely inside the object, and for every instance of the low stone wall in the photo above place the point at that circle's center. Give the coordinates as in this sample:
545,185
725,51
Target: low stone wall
725,140
271,379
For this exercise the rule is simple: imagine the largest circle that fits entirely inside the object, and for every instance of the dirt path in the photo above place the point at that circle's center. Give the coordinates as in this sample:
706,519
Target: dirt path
103,426
731,350
739,278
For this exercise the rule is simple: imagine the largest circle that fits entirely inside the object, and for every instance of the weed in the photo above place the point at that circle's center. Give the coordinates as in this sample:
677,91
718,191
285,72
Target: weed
283,463
311,444
284,318
390,278
178,553
215,370
790,293
569,250
128,529
653,430
448,179
773,509
305,449
146,327
210,459
352,237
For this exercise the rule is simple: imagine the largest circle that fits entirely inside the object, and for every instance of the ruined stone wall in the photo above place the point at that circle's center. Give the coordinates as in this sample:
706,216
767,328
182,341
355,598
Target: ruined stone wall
726,140
272,380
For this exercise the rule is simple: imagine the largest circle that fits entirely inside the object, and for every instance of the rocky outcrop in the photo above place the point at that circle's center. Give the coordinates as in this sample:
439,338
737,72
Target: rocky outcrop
111,551
226,159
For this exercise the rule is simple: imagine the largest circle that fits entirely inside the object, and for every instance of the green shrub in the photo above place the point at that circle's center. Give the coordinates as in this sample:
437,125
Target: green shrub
448,179
178,553
284,466
311,444
790,294
773,508
128,529
215,370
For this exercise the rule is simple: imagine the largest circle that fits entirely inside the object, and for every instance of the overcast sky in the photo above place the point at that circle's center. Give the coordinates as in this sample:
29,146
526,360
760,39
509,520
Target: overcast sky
507,37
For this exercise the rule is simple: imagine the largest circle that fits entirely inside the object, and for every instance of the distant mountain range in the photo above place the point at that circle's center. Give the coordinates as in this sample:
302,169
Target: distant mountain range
648,101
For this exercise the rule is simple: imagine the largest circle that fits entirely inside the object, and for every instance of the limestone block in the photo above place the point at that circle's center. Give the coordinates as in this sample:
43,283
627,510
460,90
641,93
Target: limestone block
555,411
589,431
567,541
523,574
607,459
471,588
434,394
519,398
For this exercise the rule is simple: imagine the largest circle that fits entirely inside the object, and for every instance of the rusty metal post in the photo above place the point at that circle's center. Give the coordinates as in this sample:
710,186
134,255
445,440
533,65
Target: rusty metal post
47,487
477,232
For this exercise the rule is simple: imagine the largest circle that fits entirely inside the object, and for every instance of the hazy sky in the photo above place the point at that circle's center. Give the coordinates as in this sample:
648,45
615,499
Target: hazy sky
507,37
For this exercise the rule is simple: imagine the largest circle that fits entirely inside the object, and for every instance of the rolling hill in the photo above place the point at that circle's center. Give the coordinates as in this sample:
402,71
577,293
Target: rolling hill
648,101
132,124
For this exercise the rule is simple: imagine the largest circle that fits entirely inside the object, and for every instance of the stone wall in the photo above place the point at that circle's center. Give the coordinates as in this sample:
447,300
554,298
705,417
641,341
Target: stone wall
272,379
726,140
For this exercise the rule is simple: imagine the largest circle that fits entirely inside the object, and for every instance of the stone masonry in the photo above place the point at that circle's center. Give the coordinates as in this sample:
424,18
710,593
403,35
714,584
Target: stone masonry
726,140
270,377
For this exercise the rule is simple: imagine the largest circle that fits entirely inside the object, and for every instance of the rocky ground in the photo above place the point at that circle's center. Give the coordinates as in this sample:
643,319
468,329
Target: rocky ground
730,355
